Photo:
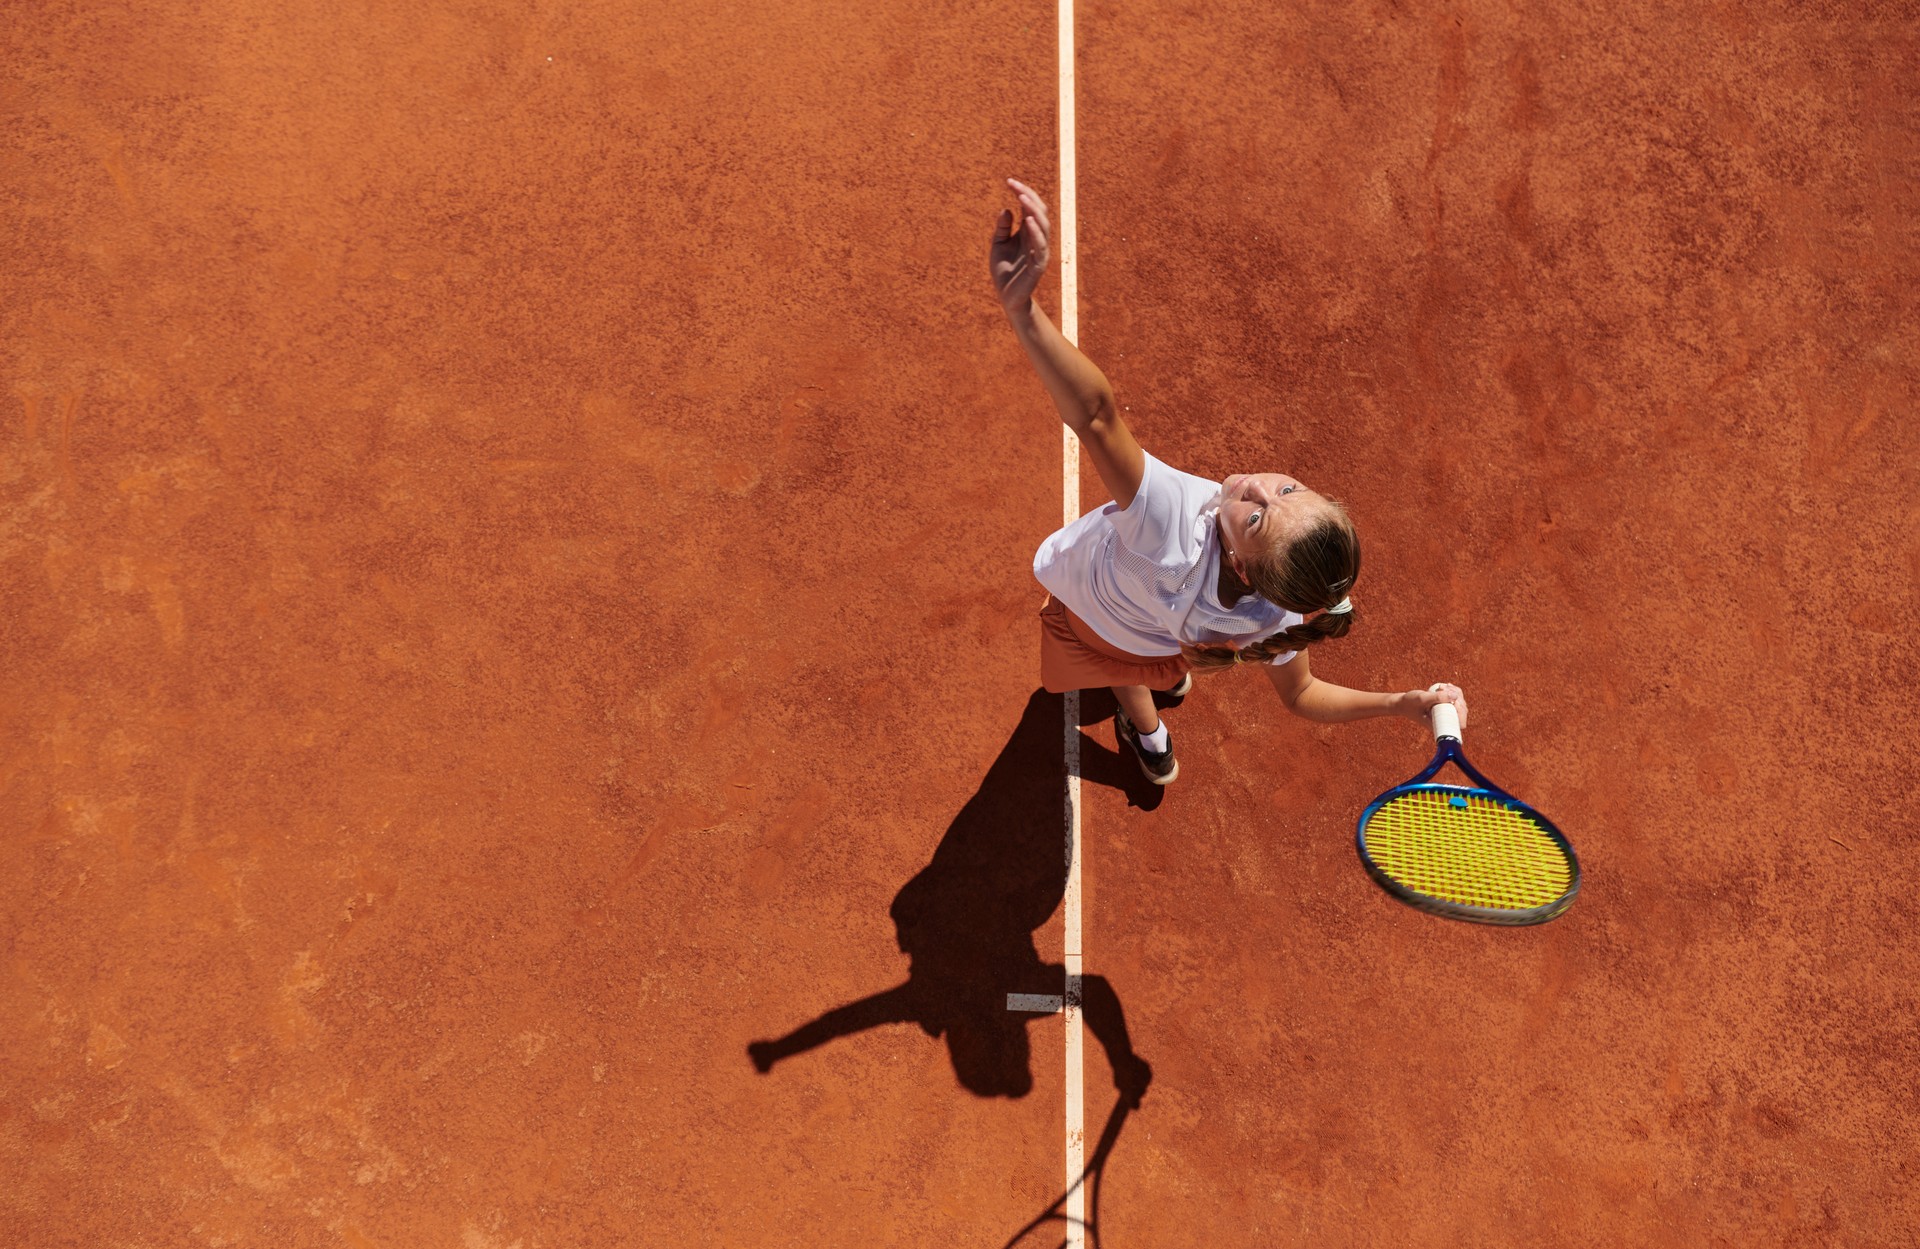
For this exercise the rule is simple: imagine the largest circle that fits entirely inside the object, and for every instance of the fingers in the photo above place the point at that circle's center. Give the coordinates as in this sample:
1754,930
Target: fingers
1019,253
1036,208
1443,692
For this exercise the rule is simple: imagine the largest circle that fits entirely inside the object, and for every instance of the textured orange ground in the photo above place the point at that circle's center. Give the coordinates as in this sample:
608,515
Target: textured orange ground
514,579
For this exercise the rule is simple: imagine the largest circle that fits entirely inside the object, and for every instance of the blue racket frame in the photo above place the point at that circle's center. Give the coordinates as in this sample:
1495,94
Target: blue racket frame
1449,751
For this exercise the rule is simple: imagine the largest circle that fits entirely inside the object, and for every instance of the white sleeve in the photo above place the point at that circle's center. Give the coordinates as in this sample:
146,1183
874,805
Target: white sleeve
1148,524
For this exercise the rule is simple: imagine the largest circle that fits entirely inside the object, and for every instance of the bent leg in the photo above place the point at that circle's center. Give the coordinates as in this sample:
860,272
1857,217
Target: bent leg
1137,702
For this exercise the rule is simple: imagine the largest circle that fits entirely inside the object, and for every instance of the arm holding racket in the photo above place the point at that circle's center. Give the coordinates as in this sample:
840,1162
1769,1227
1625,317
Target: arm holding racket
1313,699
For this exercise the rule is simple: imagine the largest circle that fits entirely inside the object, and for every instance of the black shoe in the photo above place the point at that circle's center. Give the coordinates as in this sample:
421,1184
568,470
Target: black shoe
1168,699
1160,768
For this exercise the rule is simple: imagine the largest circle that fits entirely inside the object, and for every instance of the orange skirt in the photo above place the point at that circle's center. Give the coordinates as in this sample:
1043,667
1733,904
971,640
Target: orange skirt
1074,657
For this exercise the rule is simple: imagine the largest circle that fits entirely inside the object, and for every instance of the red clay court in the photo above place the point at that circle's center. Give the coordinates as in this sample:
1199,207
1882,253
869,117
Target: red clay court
515,585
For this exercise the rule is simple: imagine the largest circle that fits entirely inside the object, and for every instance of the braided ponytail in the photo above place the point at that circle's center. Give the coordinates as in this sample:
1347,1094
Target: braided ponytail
1299,637
1313,573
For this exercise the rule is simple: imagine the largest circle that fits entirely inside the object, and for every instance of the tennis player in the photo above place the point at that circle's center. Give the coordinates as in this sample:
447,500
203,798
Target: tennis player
1178,574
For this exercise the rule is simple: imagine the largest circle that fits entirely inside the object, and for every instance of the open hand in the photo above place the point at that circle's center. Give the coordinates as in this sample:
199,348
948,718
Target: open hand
1019,253
1131,1076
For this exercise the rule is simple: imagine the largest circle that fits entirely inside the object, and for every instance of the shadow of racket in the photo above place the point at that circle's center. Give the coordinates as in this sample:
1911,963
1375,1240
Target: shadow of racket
1091,1177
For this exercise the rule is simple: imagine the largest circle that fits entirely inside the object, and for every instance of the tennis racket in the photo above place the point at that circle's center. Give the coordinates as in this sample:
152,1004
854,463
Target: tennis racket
1467,852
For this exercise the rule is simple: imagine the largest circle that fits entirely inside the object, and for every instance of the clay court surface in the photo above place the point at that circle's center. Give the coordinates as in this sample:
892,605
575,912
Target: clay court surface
514,584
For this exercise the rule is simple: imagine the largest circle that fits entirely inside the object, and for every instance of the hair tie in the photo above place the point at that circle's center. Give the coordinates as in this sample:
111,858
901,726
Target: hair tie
1342,608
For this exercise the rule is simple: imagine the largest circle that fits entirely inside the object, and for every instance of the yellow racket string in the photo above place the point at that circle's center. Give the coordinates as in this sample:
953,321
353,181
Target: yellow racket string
1467,849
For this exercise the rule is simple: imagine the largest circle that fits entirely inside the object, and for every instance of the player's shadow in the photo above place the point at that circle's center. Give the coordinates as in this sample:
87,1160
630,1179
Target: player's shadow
966,920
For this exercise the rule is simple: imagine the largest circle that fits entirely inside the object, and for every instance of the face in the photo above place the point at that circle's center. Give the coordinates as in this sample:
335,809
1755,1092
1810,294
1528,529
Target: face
1259,509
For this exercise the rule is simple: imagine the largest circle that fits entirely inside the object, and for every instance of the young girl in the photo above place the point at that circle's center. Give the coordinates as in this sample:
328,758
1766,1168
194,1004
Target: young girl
1178,572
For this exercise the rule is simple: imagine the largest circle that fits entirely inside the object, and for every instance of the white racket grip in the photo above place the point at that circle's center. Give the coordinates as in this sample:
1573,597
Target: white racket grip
1446,721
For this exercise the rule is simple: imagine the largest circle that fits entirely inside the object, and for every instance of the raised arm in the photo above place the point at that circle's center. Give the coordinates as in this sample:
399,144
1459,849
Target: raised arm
1080,390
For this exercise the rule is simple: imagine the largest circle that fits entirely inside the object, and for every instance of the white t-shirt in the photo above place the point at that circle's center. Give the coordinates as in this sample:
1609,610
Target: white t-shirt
1143,577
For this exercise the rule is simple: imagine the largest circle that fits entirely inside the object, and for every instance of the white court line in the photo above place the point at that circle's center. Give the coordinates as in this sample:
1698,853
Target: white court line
1038,1003
1076,1210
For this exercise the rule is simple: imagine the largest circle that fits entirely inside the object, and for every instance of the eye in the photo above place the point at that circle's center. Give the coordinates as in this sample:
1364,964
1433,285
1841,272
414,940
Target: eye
1253,518
1288,489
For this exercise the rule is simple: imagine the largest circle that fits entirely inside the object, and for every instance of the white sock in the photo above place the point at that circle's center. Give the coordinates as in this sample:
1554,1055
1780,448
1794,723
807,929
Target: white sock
1155,741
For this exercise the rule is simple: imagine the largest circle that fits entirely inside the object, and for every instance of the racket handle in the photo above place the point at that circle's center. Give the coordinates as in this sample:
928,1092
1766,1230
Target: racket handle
1446,721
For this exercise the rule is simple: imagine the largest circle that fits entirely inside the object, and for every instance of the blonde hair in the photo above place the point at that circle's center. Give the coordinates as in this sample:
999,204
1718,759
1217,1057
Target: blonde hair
1312,573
